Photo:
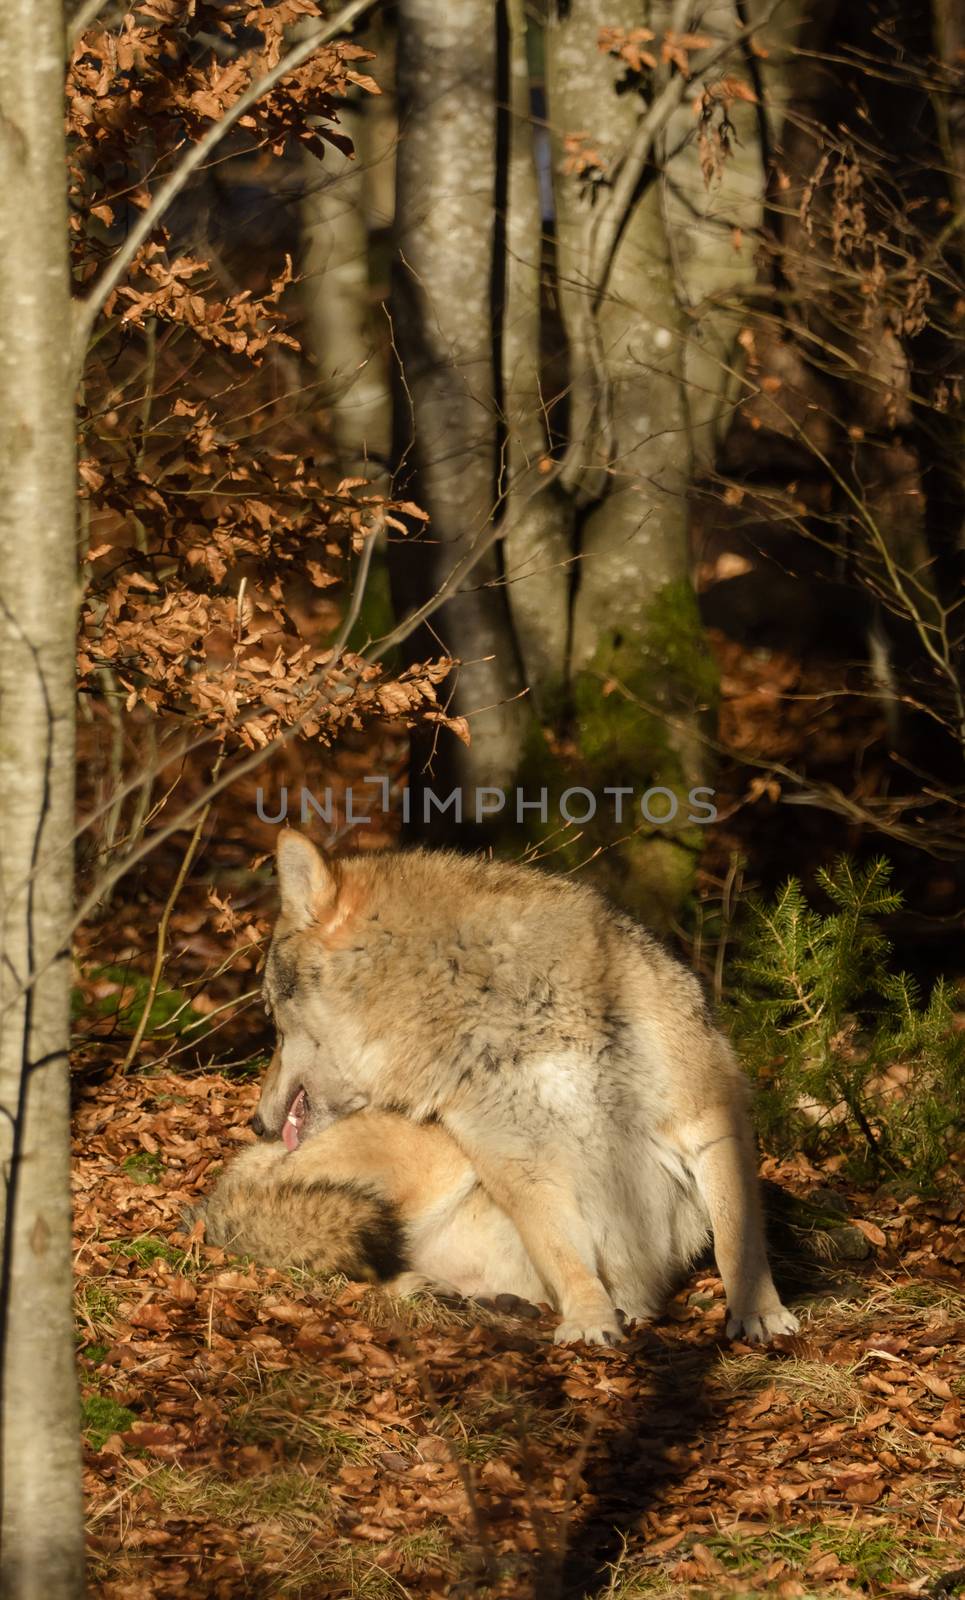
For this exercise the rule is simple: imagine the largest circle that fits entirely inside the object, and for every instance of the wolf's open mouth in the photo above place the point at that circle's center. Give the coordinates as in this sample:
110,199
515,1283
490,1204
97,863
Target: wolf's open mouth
295,1120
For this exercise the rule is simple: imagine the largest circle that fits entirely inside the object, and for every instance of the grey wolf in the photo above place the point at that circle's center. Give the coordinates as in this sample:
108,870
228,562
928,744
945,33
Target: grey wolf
569,1056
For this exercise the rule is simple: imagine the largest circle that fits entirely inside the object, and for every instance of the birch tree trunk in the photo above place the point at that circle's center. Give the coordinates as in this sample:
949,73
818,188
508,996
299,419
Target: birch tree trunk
42,1527
447,441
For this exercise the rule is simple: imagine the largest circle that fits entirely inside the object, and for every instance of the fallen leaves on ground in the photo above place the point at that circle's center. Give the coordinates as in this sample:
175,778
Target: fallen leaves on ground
250,1433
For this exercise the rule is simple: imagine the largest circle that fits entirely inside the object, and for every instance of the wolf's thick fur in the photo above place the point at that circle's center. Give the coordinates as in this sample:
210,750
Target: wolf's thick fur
377,1197
569,1056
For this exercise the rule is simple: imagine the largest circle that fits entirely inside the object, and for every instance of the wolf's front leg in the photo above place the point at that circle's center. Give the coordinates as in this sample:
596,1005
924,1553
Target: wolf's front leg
720,1151
548,1218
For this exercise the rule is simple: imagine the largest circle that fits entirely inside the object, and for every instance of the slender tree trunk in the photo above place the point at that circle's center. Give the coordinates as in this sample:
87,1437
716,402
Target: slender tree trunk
42,1527
447,426
351,367
539,519
949,27
348,199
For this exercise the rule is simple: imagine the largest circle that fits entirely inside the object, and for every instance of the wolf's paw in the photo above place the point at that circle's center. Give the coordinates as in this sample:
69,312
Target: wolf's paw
599,1330
759,1327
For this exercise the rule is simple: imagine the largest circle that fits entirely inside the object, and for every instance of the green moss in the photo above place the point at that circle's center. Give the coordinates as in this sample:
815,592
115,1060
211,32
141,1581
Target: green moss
633,722
148,1249
142,1167
676,645
171,1010
101,1416
653,875
641,681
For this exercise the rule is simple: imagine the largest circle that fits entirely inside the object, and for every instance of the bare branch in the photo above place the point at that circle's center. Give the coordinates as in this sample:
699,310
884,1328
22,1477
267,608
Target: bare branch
464,566
87,309
610,222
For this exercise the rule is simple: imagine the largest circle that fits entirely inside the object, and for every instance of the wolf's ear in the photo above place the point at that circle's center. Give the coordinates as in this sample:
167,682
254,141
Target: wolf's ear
308,884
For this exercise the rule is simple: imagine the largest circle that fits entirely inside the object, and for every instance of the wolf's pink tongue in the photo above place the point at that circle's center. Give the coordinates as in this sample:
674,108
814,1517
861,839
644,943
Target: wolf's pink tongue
292,1130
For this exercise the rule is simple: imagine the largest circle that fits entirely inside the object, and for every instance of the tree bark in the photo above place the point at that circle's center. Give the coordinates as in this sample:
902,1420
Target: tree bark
539,519
42,1525
638,670
447,433
348,198
713,223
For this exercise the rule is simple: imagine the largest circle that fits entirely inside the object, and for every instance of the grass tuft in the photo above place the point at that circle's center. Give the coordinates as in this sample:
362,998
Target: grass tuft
824,1382
482,1427
311,1418
875,1556
293,1497
96,1308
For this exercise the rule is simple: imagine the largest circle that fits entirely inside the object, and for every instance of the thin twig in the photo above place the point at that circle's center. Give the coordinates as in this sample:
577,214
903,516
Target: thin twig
726,918
466,564
120,868
81,21
610,222
825,796
87,309
162,932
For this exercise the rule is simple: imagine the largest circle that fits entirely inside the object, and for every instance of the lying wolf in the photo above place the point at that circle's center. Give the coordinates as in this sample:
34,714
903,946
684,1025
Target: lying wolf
570,1058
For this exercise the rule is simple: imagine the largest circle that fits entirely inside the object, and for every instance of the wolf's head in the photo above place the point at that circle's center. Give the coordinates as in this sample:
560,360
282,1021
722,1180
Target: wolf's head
310,978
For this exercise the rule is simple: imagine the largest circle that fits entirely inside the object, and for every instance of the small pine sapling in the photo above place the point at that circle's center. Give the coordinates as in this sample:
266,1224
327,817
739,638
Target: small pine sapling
840,1046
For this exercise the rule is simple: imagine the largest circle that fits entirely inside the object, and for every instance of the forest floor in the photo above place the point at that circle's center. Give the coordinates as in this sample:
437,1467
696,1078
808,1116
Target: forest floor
250,1433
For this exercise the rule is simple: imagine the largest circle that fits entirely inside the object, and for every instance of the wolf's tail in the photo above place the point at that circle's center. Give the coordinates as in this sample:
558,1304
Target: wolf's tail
322,1226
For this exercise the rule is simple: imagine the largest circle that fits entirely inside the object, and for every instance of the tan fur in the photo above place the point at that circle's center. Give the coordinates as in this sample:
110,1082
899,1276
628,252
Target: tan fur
569,1056
376,1197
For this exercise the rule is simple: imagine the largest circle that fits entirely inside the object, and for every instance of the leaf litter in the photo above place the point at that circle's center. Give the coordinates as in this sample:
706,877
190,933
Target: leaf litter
254,1433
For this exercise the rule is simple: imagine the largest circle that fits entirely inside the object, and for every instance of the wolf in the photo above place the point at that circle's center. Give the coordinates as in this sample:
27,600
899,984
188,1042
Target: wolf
570,1057
378,1198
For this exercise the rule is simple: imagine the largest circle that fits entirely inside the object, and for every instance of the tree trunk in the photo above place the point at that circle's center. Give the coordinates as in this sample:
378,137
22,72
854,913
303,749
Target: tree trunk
713,212
538,519
348,199
42,1525
447,434
639,670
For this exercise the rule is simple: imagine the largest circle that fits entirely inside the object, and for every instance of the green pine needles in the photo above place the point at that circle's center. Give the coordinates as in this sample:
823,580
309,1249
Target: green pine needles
844,1050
